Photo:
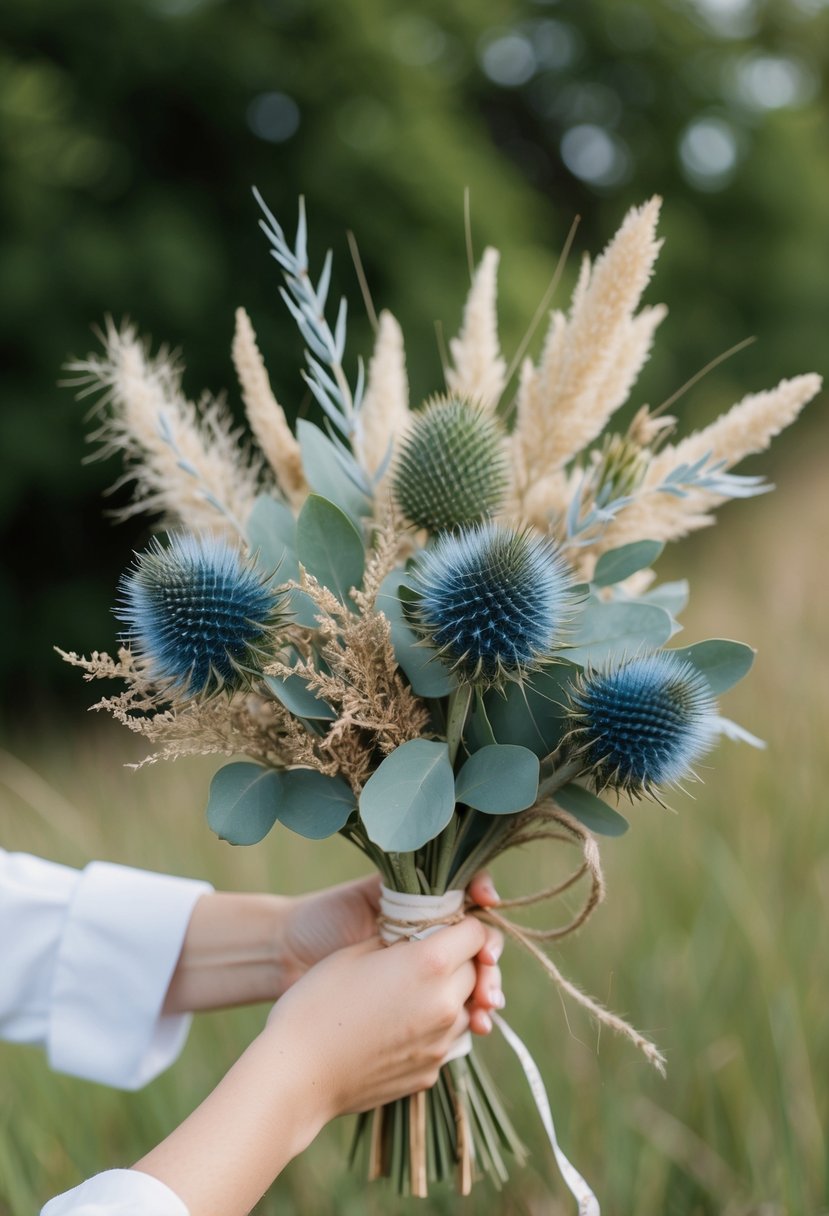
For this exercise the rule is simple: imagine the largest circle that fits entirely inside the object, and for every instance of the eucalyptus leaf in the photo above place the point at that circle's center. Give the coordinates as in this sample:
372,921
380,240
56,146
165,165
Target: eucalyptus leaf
618,564
410,798
616,630
529,714
500,779
595,814
329,546
722,662
243,803
313,805
427,674
673,597
294,693
325,473
271,534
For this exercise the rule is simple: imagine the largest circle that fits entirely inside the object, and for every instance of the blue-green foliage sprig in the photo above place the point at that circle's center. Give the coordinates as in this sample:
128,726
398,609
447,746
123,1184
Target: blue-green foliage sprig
325,351
641,725
200,614
493,601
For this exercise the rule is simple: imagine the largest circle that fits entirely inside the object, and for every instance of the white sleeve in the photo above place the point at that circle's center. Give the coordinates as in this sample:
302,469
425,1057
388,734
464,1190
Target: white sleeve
86,959
117,1193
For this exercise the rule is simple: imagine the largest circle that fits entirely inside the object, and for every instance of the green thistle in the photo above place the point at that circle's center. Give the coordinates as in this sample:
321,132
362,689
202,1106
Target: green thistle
452,469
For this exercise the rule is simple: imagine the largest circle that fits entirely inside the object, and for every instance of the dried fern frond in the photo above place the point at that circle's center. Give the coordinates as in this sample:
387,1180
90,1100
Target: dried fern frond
265,415
384,416
189,464
592,357
479,372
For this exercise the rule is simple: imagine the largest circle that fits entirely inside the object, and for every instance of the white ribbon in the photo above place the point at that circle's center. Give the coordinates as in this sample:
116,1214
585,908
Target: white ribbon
403,911
588,1203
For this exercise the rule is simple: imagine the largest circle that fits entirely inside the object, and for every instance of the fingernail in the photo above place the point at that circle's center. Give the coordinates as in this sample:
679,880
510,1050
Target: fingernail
489,889
496,950
485,1023
496,998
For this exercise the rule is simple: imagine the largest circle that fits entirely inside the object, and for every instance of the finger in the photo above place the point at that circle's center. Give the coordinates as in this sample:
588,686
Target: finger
480,1022
461,984
449,949
488,992
492,948
482,890
460,1026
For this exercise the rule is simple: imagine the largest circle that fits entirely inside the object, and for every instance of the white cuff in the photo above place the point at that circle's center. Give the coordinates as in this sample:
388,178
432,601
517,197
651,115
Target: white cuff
117,1193
119,949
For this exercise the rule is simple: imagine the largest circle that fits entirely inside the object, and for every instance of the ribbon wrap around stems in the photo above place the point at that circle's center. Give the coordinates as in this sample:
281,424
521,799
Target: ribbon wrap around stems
414,917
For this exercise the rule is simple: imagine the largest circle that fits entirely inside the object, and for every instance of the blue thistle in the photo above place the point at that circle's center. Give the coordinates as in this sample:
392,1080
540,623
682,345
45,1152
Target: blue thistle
492,601
643,724
199,613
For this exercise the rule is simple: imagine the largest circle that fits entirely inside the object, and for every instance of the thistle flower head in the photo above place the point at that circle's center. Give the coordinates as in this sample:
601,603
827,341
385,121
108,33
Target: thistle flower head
452,468
492,600
643,724
199,613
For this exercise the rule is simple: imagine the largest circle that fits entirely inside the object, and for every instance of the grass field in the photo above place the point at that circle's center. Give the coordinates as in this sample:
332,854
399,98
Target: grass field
712,940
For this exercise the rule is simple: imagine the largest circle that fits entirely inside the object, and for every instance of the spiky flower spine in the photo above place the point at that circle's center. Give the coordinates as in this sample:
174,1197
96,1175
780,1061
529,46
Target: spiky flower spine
199,613
452,467
641,726
493,601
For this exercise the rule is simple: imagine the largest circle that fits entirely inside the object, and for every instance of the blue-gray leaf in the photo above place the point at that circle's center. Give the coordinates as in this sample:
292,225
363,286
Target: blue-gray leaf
722,662
500,779
295,695
325,473
616,630
329,546
410,798
596,815
618,564
243,803
271,534
428,676
313,805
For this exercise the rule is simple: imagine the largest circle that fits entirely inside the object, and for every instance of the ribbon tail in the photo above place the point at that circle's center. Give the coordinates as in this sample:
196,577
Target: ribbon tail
587,1201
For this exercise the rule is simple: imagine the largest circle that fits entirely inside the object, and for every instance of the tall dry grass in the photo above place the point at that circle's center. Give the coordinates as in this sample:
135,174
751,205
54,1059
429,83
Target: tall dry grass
712,940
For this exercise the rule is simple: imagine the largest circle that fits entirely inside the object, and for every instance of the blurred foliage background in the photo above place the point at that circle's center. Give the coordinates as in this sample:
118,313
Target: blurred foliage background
130,135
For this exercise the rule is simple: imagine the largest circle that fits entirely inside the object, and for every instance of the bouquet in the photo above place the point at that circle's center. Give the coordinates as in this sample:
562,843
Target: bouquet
434,631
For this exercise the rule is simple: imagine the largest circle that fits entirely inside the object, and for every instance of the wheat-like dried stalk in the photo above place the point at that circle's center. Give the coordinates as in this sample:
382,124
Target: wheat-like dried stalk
188,463
479,371
384,414
265,415
592,357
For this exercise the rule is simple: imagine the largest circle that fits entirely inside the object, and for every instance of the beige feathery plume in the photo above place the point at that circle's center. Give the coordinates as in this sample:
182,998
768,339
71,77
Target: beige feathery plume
479,371
748,427
187,462
591,358
384,414
265,415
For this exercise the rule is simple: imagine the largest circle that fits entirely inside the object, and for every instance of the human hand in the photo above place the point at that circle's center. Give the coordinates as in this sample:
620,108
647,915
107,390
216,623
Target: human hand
373,1023
314,926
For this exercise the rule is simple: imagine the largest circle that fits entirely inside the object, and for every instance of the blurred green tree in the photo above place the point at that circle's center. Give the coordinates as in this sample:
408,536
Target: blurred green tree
130,135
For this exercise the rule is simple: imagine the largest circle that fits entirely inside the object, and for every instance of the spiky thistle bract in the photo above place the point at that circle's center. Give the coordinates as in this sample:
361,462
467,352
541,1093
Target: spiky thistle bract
452,468
493,601
199,613
642,725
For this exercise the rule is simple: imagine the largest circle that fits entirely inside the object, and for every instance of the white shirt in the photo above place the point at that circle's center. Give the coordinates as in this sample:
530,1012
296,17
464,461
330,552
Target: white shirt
86,958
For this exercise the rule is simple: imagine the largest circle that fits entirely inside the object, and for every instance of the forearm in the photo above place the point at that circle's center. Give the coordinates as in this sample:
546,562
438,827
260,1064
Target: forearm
223,1158
232,954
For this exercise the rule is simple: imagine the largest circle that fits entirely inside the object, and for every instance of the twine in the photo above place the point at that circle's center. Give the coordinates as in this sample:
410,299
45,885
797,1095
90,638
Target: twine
573,832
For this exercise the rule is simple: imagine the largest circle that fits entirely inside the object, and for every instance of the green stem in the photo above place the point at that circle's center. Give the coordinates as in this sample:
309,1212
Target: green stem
459,701
445,855
558,778
484,852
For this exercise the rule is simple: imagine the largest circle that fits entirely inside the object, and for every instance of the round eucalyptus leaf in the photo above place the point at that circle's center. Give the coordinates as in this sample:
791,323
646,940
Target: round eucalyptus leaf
329,546
722,662
616,630
500,779
618,564
596,815
313,805
325,473
295,695
410,798
243,803
271,535
427,674
529,714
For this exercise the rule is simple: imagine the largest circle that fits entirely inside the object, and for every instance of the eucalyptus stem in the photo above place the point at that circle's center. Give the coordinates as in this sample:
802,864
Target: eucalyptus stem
484,851
459,701
445,855
558,778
